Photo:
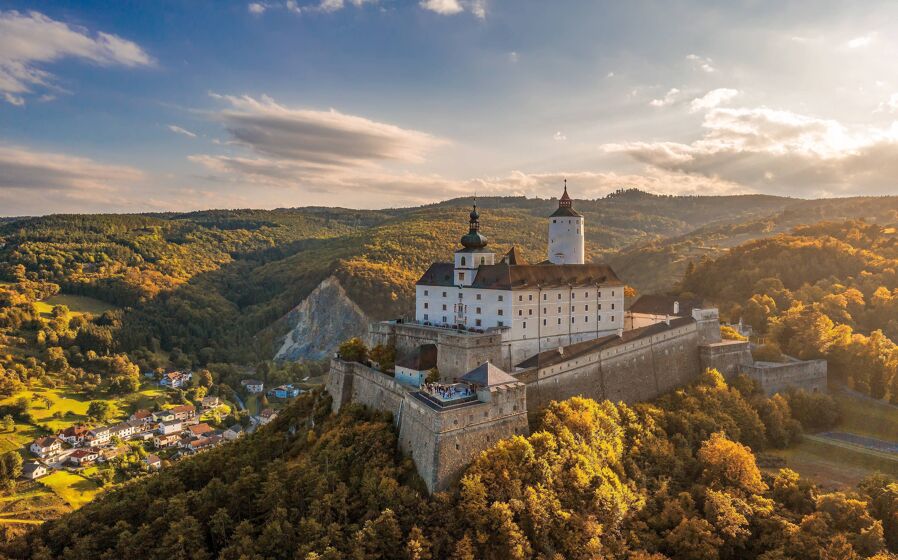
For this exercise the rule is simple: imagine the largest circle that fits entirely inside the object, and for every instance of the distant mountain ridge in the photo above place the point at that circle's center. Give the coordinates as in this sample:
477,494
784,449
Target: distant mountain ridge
221,282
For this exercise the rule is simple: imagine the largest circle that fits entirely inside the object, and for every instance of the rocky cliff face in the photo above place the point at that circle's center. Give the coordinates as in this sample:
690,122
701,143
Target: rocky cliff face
321,322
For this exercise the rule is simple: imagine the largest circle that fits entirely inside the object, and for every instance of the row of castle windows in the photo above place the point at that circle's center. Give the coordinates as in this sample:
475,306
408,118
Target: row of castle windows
521,297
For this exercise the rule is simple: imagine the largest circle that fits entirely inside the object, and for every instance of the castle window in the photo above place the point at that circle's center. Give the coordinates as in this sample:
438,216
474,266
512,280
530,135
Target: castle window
463,261
559,309
529,312
459,295
612,306
501,298
500,323
478,297
544,310
425,292
544,322
444,307
612,293
482,260
425,316
600,294
444,317
573,320
444,294
612,318
600,317
525,324
554,221
477,322
600,307
520,298
478,311
520,312
573,295
559,320
530,297
461,276
586,295
559,296
544,297
587,307
500,312
426,305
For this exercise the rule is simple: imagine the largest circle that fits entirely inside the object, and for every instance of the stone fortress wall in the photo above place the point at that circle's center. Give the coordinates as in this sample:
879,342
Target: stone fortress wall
774,377
441,442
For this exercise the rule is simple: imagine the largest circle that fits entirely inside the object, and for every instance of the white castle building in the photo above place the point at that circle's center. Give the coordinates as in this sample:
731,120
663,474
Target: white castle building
535,307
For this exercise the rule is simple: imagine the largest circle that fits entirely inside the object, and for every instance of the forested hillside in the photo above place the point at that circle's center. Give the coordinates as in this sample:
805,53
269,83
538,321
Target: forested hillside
677,478
211,284
827,290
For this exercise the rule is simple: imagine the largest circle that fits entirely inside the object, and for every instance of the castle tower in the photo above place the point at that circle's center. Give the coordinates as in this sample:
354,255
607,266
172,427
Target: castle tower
566,238
473,254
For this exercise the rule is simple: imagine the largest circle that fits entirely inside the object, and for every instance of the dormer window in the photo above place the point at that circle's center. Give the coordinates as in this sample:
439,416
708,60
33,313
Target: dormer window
463,261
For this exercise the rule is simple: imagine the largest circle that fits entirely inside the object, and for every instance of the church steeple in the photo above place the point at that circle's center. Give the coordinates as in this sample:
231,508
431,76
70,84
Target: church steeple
565,200
474,239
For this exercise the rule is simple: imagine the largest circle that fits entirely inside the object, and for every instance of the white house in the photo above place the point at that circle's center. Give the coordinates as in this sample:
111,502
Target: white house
82,457
98,436
74,435
170,427
33,470
47,446
253,385
176,379
535,307
266,416
233,432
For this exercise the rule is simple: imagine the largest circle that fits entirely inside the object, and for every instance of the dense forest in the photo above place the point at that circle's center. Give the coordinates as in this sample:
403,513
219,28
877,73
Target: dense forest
675,478
827,290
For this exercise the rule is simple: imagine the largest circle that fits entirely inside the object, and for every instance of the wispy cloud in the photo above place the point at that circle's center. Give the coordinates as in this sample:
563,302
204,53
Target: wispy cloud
28,40
712,99
668,98
701,62
257,8
178,130
559,136
861,41
762,148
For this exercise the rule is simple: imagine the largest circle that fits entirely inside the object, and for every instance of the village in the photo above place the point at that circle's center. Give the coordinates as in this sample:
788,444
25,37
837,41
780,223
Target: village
164,435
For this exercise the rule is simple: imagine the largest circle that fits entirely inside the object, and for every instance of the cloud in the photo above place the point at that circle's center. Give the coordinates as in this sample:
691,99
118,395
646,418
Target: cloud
318,137
862,41
442,7
712,99
768,149
179,130
27,40
42,172
668,98
256,8
513,56
559,136
703,63
453,7
890,105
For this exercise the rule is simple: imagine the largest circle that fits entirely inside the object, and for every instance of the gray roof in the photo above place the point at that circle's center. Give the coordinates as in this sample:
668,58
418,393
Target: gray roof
488,375
29,468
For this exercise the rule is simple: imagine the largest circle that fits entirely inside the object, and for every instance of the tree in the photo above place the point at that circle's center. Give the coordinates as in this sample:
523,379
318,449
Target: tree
354,350
730,465
99,410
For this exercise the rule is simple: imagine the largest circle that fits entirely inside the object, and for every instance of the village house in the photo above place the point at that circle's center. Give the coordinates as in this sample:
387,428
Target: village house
162,441
200,429
47,446
211,402
121,431
267,416
170,427
83,457
163,416
98,436
176,379
144,416
233,432
138,426
74,435
153,462
285,392
33,470
253,385
184,412
201,444
109,453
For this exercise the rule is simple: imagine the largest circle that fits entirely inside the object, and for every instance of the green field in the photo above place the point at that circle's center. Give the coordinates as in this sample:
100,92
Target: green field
74,489
839,465
76,305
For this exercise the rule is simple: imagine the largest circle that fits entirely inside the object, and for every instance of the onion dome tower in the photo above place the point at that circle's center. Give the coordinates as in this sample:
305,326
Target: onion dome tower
474,252
566,237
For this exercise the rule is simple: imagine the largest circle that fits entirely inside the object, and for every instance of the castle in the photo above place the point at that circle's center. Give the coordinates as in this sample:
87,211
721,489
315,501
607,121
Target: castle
506,338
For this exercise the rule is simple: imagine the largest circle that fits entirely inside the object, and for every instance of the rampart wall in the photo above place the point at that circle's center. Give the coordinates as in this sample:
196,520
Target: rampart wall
775,377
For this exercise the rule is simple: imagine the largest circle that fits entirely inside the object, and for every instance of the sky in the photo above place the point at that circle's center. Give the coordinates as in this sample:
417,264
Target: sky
183,105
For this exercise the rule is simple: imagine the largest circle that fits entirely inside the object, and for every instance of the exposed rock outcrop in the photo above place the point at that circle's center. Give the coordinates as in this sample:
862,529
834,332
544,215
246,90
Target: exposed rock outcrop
321,322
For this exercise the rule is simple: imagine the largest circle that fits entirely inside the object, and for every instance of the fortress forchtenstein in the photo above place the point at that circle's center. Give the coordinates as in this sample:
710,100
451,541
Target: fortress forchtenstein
506,338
